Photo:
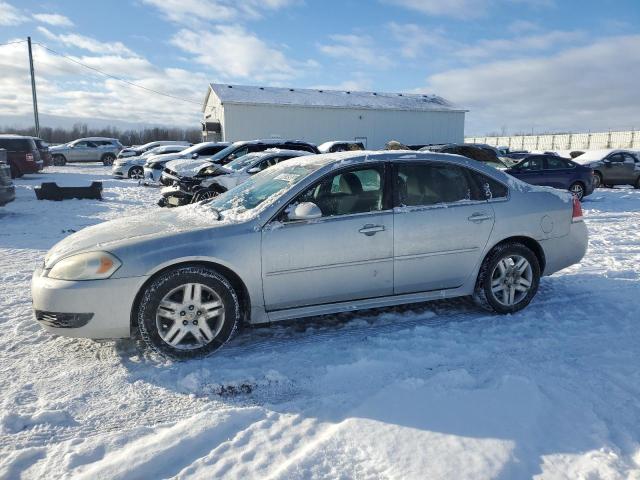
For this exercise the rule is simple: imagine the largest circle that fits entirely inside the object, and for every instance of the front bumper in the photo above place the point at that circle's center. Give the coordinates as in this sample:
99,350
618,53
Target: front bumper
151,175
119,171
108,302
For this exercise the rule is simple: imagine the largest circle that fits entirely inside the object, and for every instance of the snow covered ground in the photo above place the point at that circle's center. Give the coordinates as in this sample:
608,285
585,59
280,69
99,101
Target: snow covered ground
438,390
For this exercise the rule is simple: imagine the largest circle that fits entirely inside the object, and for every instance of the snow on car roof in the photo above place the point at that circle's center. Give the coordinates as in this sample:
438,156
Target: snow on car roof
595,155
243,94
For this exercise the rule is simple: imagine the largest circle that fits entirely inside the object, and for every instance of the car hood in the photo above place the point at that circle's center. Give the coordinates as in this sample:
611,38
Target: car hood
164,157
107,235
58,147
187,168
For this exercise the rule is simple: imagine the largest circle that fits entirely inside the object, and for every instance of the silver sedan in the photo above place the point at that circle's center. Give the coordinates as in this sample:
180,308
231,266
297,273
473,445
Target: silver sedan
314,235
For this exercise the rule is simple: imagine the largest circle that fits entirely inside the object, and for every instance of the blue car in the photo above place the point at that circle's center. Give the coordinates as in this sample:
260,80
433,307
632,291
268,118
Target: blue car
554,171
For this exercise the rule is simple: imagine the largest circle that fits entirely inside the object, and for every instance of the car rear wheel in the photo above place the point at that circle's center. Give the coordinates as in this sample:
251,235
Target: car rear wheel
597,180
205,194
188,312
108,159
59,160
508,279
136,172
577,189
15,170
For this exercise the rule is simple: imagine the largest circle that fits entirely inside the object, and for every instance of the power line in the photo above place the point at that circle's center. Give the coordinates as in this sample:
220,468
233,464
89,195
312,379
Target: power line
12,43
116,78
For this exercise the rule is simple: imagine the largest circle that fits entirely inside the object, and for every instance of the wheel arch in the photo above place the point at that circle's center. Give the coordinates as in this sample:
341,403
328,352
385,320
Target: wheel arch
528,242
236,282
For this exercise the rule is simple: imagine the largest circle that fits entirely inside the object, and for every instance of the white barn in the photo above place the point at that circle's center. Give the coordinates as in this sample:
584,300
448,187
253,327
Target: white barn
239,112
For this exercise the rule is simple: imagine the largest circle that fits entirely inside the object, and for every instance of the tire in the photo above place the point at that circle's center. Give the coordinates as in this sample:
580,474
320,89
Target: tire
59,160
15,170
136,172
498,299
577,188
597,180
205,194
108,159
166,299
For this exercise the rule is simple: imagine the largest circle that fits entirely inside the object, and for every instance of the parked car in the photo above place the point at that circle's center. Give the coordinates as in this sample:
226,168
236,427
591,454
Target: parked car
612,167
155,164
315,235
340,146
470,151
557,172
212,180
22,154
133,167
91,149
7,189
233,151
140,149
43,148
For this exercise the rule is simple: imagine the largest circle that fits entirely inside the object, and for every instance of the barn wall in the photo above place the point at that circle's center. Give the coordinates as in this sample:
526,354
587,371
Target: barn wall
319,124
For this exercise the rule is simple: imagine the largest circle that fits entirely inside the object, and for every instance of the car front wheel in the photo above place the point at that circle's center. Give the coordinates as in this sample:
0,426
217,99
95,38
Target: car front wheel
108,159
597,180
508,279
188,312
577,189
136,172
59,160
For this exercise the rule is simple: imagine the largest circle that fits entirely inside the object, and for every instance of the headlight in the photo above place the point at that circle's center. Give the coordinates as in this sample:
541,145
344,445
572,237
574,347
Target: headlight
85,266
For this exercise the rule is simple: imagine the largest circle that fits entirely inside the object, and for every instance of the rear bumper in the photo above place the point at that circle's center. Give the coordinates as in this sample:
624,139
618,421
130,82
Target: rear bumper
562,252
89,309
31,167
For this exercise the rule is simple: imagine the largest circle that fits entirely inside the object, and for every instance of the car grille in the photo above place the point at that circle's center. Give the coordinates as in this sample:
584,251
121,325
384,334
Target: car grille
63,320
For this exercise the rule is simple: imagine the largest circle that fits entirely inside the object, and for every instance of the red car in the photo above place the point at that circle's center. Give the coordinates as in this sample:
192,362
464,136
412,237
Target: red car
22,154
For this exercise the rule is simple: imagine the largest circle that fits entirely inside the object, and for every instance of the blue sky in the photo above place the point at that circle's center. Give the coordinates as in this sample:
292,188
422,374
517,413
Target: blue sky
517,65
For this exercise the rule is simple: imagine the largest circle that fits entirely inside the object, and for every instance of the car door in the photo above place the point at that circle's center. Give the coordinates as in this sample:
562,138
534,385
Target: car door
558,172
346,254
442,222
530,170
613,171
629,169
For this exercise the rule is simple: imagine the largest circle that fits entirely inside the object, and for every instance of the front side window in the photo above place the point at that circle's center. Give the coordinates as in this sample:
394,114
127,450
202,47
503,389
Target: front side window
347,193
426,184
617,158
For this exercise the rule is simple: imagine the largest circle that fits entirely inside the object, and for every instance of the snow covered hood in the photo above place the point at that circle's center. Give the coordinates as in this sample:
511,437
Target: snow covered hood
187,167
107,234
593,156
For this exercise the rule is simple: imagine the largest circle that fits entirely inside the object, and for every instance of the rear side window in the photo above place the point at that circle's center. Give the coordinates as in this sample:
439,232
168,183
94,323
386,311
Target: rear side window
209,150
17,144
424,184
488,188
557,163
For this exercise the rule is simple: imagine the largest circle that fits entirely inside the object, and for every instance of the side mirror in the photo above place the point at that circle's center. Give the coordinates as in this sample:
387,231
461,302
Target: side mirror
194,156
253,170
606,160
305,211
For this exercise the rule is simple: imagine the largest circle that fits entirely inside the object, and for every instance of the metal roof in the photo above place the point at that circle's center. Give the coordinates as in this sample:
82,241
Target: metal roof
306,97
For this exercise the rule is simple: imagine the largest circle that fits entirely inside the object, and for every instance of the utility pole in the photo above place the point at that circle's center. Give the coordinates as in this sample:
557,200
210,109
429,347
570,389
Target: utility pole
33,89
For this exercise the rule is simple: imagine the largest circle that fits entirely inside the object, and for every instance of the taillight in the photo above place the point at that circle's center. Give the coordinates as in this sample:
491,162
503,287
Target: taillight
29,157
576,216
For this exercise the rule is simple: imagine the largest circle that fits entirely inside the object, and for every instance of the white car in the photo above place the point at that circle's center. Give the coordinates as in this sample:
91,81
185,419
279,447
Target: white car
140,149
133,167
155,164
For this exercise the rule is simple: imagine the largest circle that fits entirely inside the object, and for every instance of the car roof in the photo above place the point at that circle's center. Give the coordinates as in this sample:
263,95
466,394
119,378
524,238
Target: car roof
278,151
268,141
95,138
13,136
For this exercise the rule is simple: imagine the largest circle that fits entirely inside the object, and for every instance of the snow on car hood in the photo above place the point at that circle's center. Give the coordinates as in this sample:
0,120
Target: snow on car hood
157,223
187,168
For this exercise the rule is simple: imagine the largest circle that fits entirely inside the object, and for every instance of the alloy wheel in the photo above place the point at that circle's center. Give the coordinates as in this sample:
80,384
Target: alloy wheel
511,280
578,190
137,173
190,316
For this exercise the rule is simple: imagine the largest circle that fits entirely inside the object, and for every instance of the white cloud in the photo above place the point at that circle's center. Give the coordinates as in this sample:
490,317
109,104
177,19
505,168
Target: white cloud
87,43
233,52
523,26
543,41
10,15
190,12
463,9
588,87
358,48
53,19
415,40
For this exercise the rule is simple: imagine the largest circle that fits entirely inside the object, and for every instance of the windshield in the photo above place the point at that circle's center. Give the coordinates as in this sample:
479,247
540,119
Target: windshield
244,161
223,153
152,151
262,189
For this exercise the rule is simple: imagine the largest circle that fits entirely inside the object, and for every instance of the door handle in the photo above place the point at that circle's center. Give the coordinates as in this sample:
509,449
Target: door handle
370,229
479,217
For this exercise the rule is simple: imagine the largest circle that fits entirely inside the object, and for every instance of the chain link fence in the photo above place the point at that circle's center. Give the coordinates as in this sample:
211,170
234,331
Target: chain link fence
566,141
